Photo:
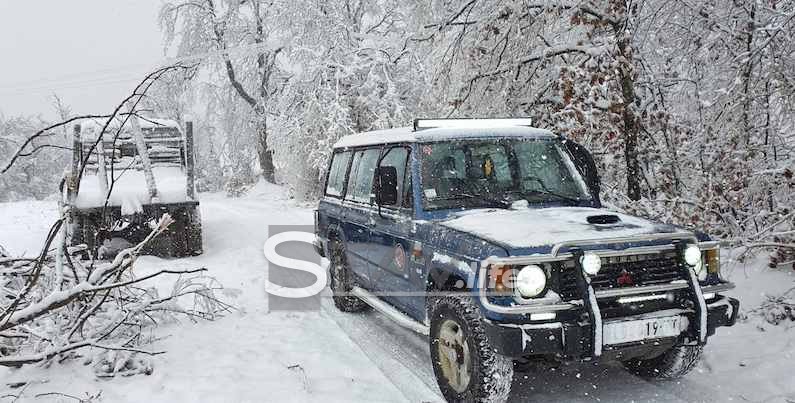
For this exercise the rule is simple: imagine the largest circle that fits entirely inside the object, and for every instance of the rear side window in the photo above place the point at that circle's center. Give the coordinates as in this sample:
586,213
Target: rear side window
396,157
336,176
360,184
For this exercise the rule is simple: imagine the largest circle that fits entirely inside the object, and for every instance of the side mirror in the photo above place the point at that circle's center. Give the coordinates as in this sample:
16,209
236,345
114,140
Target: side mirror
386,186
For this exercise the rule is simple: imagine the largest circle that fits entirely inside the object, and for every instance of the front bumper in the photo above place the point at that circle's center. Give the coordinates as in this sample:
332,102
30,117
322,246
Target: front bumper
573,339
588,328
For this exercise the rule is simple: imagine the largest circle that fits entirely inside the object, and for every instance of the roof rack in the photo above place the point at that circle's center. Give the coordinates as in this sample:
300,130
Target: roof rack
421,124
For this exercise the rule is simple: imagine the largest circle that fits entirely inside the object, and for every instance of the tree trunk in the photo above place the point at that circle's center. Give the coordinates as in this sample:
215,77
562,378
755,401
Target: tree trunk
631,127
265,153
631,156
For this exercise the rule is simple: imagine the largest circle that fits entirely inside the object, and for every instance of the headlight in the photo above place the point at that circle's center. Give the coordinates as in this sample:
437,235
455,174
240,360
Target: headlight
531,281
591,263
692,255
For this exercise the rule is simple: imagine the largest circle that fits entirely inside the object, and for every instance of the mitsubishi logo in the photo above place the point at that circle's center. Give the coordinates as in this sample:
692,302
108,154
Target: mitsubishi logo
625,279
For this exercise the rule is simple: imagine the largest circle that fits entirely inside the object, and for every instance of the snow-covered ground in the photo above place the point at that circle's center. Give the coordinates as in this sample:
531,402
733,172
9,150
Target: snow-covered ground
254,355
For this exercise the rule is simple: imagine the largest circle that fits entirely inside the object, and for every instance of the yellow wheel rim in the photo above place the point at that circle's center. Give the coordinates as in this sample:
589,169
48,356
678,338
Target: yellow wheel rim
454,358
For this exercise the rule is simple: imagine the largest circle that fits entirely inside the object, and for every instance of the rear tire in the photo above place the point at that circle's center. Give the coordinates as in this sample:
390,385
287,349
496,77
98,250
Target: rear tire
672,364
343,281
467,368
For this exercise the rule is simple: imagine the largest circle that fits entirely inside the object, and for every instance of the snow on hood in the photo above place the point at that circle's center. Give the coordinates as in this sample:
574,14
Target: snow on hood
539,227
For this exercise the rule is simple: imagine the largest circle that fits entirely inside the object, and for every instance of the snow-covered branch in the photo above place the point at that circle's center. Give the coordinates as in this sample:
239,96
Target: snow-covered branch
85,313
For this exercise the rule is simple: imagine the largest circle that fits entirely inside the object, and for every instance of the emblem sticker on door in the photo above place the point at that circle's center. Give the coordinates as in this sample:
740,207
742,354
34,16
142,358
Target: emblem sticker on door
400,256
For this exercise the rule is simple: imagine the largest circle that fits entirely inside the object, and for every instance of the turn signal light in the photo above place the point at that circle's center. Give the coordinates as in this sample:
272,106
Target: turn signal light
501,277
712,259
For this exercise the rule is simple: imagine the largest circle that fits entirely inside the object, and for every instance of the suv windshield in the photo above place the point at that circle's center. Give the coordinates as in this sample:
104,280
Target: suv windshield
496,173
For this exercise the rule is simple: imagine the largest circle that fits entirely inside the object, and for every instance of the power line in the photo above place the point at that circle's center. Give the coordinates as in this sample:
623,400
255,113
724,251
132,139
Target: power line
95,83
118,75
72,76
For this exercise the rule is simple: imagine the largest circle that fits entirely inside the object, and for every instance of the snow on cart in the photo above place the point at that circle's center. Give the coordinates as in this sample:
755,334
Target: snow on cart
133,172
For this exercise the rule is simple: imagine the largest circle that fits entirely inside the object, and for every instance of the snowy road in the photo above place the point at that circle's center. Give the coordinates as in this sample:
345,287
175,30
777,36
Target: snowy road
253,355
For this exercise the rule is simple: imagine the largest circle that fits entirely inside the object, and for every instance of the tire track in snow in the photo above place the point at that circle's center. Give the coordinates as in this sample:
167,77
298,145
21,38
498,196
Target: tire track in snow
363,331
401,355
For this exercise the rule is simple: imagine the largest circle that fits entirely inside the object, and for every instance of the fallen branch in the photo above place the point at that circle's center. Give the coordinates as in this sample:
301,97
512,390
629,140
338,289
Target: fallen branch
107,310
779,308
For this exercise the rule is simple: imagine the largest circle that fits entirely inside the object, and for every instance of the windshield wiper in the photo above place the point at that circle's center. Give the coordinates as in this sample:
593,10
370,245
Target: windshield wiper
558,195
489,201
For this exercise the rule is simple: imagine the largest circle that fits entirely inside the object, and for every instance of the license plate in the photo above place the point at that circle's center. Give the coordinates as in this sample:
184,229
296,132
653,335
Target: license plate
636,330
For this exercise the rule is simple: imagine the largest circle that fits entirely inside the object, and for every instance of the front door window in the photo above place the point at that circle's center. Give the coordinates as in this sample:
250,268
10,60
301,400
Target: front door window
397,157
360,185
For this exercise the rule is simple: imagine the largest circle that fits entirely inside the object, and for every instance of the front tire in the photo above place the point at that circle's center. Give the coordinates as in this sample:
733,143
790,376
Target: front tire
672,364
467,368
342,281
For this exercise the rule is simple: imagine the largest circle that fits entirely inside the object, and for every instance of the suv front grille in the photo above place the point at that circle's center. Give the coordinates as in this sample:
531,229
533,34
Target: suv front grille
624,271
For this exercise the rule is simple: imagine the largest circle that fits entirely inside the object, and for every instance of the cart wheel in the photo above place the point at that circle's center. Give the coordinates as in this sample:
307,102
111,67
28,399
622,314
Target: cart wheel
178,234
193,232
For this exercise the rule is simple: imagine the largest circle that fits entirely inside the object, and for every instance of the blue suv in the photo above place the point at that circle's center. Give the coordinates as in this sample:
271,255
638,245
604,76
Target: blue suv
488,235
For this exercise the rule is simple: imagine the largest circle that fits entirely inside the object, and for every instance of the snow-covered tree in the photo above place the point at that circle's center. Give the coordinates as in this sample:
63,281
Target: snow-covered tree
351,73
240,40
36,177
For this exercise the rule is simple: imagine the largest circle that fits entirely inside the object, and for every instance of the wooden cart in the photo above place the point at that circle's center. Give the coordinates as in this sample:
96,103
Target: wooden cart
140,169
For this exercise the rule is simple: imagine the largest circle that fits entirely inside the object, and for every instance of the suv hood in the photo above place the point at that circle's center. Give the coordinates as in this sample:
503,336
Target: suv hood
532,228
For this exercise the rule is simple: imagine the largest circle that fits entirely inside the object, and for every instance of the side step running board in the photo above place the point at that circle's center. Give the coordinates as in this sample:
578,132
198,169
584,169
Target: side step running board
399,317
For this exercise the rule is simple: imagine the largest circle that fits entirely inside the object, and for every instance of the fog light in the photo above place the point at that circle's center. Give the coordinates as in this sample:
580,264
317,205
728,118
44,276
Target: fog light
642,298
692,255
543,316
591,263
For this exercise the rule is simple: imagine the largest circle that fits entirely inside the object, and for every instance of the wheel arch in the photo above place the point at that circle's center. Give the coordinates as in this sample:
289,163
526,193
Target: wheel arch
447,270
443,279
335,231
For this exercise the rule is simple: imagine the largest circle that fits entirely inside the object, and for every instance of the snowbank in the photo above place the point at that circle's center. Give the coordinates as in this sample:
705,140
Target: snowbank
24,225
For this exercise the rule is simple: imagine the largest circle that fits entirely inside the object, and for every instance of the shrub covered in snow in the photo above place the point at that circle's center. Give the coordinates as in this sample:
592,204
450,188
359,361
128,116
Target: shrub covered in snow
52,307
777,309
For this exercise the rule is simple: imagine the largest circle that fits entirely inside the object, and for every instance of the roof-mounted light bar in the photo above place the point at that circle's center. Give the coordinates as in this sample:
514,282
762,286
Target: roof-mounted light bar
421,124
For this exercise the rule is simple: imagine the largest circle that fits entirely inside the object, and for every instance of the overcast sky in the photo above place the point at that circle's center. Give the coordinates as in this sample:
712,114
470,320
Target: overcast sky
89,52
